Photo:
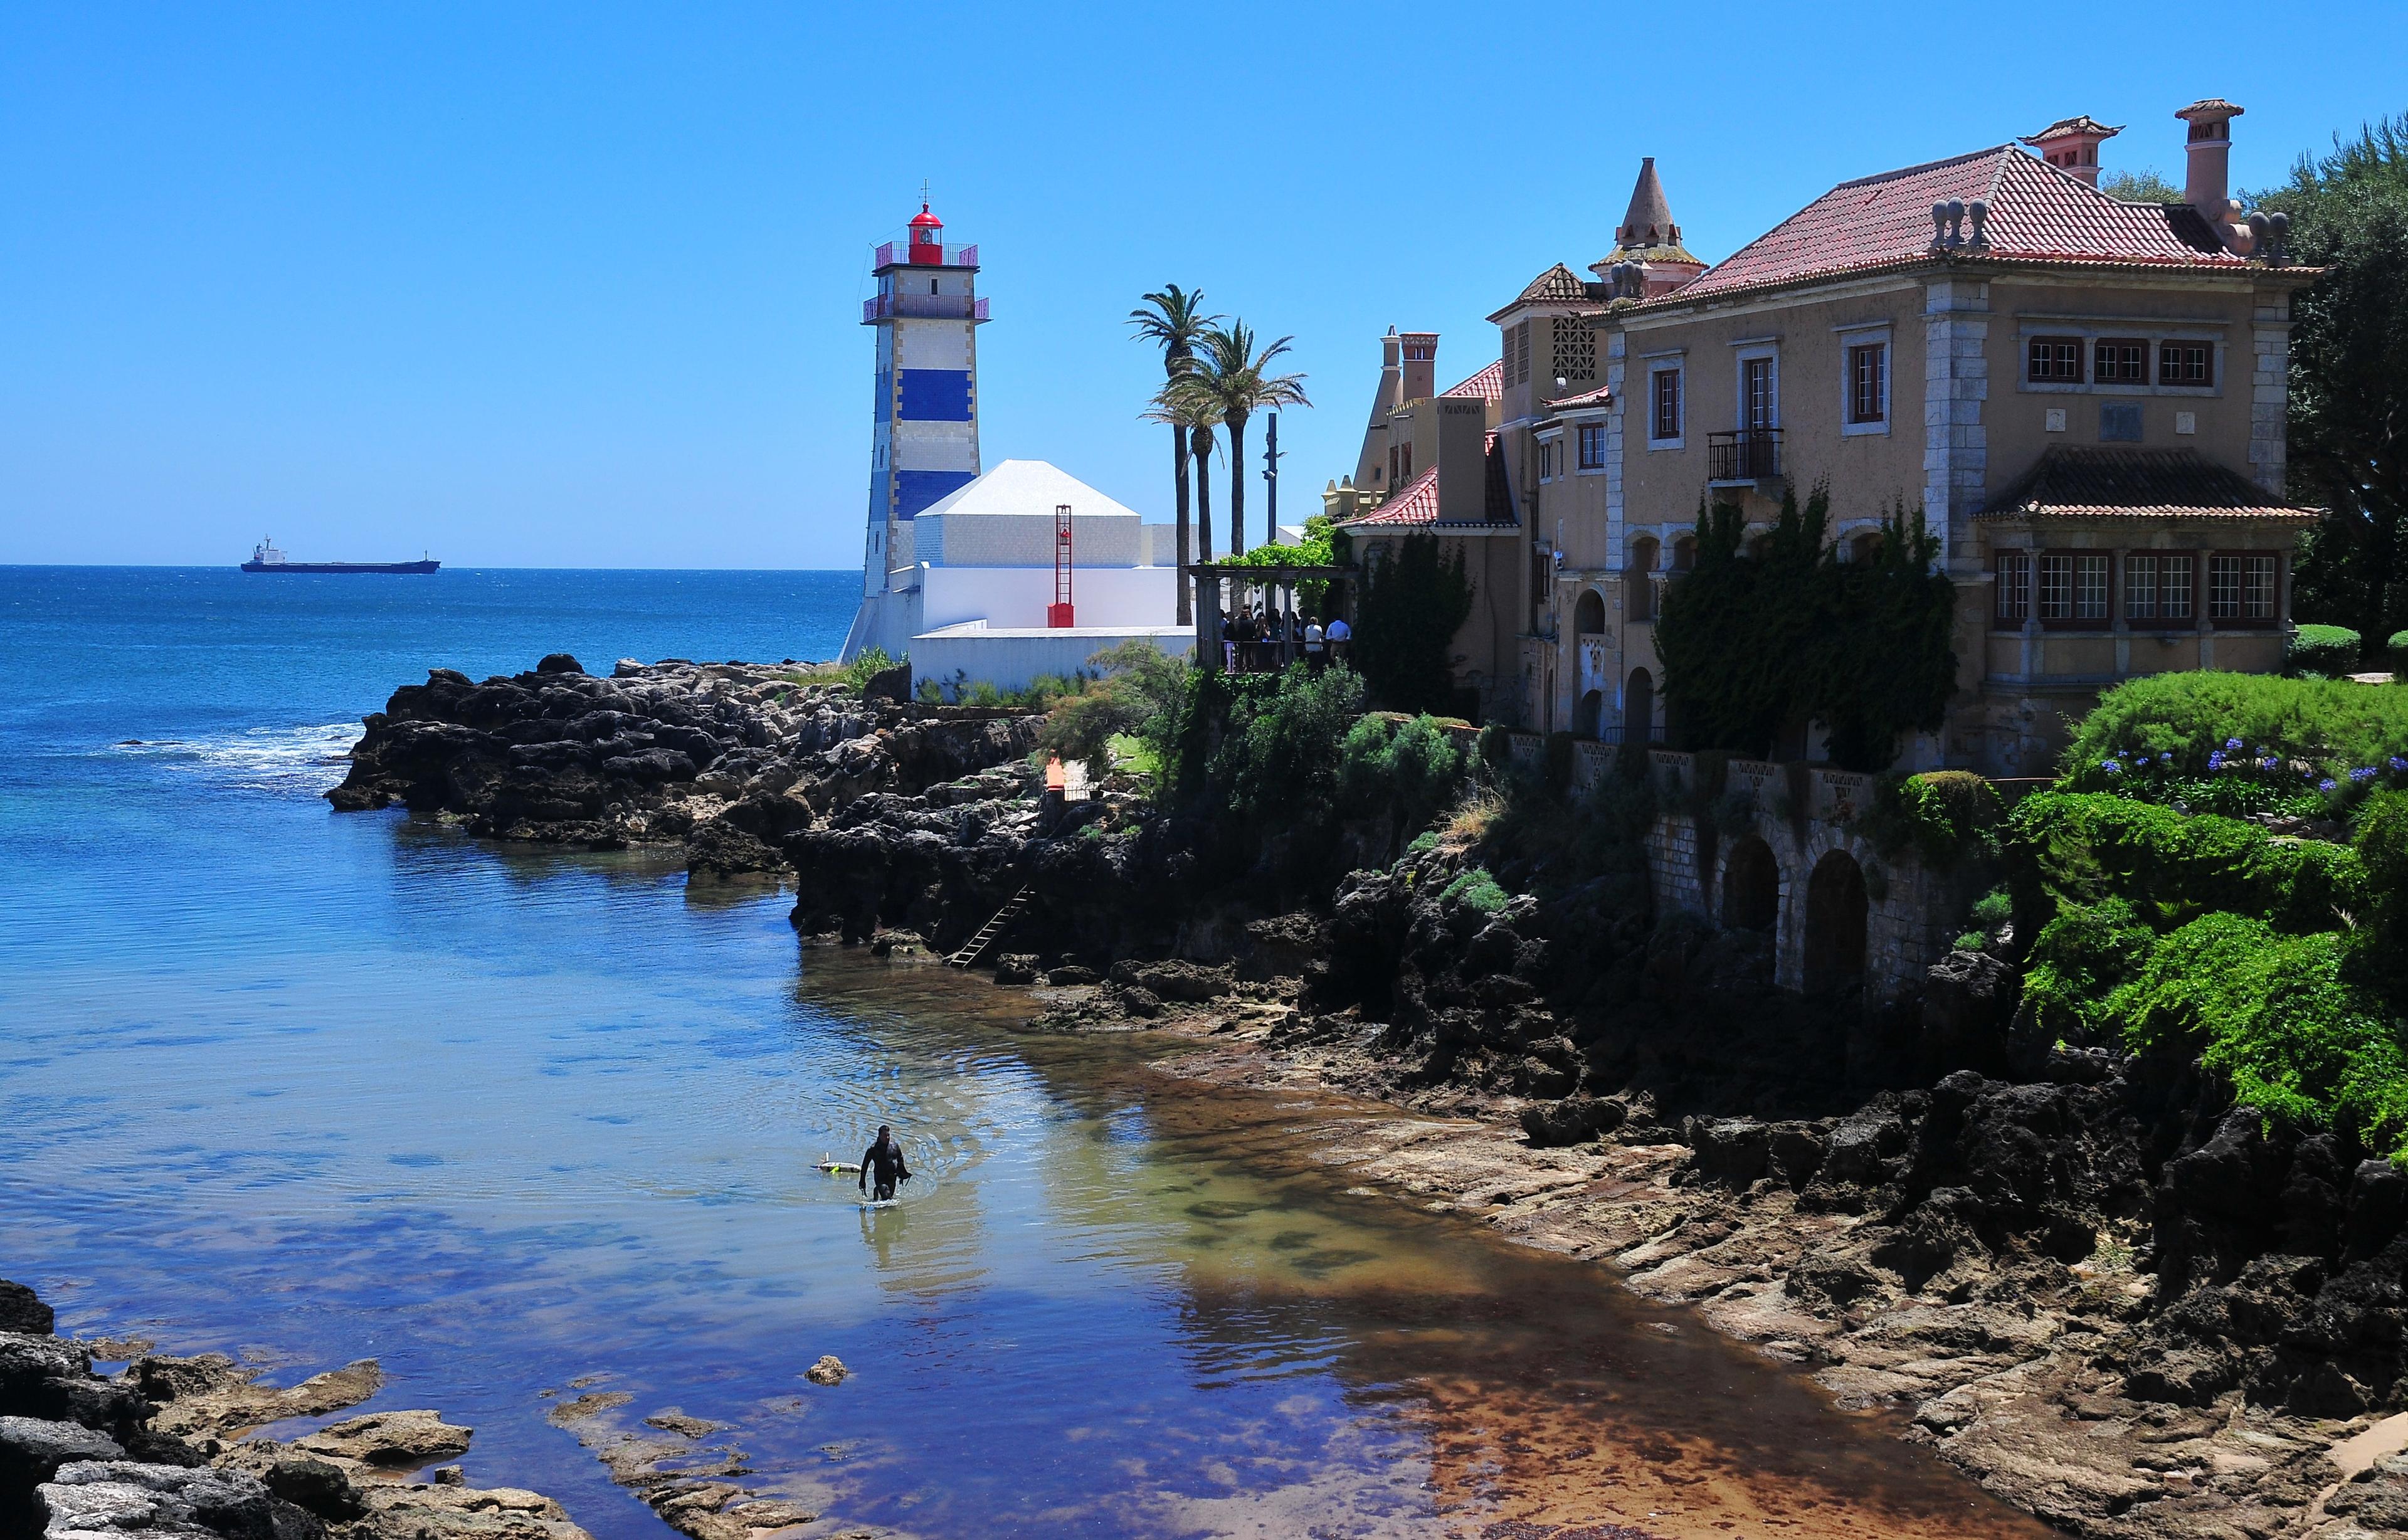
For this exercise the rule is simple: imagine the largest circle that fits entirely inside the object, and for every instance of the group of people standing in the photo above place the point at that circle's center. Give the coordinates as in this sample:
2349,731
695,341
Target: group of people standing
1259,640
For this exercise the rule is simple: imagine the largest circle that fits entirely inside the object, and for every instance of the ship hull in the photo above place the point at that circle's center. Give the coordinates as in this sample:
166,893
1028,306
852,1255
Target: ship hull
345,567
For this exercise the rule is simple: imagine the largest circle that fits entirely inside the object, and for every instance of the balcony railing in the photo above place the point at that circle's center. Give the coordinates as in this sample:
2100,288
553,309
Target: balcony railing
946,256
1746,454
923,306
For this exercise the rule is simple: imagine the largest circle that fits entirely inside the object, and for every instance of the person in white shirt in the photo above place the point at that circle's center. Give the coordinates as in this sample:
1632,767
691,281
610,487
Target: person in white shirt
1312,643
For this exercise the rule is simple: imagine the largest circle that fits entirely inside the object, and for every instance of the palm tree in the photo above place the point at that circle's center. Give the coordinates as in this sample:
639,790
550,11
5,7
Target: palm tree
1176,324
1187,404
1239,381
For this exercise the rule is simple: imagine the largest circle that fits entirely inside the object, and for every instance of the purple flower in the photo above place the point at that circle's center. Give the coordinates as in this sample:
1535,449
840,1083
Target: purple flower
2364,773
2166,758
2232,743
2111,767
2270,763
2397,764
2215,759
2324,786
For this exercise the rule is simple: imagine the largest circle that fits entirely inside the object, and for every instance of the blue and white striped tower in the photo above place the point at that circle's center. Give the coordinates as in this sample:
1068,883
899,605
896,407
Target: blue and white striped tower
925,442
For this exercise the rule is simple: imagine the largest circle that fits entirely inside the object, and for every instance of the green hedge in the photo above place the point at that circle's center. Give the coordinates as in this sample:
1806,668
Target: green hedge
2082,849
2326,649
2333,723
2396,650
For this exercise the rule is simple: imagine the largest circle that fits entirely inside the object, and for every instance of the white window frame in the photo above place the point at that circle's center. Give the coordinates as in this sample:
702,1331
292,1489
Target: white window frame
1677,366
2091,331
1604,432
1851,339
1743,354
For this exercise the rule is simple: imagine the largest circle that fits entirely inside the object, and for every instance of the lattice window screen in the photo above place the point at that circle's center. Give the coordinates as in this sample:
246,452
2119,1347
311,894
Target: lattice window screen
1575,352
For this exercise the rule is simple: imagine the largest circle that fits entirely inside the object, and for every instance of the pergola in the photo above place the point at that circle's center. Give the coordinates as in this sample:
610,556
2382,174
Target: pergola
1231,581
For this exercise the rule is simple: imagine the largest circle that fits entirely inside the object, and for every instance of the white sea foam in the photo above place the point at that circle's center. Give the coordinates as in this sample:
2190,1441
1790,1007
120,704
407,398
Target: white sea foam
300,761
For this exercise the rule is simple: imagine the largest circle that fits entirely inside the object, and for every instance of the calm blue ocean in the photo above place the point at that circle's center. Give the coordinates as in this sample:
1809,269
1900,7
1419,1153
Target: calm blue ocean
309,1087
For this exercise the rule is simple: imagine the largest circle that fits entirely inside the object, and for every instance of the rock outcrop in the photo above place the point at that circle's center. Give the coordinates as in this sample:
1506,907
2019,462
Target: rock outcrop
140,1456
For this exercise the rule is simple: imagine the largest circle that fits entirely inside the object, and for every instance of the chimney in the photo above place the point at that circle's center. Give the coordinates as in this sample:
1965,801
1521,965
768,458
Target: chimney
1421,365
2072,145
2207,187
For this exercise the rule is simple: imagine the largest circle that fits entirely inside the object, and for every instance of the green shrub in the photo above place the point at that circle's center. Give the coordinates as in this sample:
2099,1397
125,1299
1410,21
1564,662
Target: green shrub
1407,770
1476,890
929,692
2280,1017
2395,650
2242,742
2321,650
2084,847
1946,816
1992,910
2078,959
869,661
1423,842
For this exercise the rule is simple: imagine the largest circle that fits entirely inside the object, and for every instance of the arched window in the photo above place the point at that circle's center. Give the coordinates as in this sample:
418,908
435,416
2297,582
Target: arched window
1864,547
1643,553
1588,614
1639,707
1639,580
1589,719
1684,553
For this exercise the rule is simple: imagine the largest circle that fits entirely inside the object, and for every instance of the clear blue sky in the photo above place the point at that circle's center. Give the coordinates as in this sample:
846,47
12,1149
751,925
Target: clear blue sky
578,286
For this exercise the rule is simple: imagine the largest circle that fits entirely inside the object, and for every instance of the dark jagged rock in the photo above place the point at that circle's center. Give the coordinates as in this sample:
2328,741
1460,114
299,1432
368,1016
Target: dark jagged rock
22,1310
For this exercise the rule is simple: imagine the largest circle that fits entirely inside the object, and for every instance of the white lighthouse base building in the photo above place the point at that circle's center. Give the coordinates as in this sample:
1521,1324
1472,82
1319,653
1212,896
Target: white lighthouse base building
972,582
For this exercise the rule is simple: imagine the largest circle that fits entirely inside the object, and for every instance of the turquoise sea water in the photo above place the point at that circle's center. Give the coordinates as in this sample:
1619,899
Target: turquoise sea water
313,1087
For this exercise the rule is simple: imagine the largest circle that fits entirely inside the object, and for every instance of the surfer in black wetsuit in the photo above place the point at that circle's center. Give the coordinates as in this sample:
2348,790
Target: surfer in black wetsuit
882,1163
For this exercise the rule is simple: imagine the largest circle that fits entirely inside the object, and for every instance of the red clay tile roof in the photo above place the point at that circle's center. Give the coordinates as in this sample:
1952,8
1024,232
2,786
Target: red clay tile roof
1558,285
1414,503
1602,396
2081,124
1488,383
2078,482
2037,213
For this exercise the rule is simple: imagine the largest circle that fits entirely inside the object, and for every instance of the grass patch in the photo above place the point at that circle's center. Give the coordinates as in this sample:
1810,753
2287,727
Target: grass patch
1477,889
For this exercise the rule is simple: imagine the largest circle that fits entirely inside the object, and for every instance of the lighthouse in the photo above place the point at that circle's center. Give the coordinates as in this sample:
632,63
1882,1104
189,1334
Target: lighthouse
925,437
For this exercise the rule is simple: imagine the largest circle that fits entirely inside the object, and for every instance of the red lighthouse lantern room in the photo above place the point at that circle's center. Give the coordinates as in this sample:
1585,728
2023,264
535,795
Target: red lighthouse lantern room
927,238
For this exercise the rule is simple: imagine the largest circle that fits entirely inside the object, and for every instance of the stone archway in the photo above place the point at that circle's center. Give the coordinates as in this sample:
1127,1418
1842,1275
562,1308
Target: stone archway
1590,715
1752,887
1588,614
1835,925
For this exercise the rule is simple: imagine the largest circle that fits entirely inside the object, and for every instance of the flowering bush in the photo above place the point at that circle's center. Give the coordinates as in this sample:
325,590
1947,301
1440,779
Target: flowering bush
2238,744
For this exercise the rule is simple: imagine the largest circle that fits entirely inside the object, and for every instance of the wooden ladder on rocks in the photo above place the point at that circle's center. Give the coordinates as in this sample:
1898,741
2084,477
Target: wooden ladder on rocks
991,932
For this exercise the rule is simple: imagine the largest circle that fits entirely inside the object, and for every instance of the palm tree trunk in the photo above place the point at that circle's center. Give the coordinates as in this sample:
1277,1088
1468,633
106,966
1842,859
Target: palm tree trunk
1237,486
1178,475
1203,446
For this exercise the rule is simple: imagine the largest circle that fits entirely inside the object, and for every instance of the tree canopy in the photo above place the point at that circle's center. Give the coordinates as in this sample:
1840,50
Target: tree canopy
2349,376
1406,615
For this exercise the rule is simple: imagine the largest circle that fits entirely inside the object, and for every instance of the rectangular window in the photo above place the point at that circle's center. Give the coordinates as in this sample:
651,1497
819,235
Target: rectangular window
1547,462
1592,447
1868,382
2140,587
1757,399
2120,361
2175,587
2090,589
2257,588
1665,418
2057,588
2055,360
2015,586
2185,363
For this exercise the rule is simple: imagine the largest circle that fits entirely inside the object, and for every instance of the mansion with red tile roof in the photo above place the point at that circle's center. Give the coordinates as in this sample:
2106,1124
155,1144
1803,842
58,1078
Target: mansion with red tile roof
2085,395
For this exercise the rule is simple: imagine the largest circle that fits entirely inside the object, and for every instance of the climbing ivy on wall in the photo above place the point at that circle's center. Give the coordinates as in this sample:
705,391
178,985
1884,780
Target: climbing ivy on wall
1761,637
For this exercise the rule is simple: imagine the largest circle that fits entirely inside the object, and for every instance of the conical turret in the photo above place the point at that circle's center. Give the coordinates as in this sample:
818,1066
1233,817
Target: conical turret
1648,235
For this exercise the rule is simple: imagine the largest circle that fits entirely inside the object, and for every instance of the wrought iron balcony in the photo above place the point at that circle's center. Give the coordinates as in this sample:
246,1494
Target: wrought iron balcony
1745,454
893,252
923,306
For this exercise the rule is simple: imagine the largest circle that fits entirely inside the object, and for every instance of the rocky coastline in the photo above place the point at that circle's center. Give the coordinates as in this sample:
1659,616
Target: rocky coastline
2091,1282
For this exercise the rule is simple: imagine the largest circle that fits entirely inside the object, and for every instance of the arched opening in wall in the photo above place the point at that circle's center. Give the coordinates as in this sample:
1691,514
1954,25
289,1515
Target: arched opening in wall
1864,547
1751,887
1639,707
1588,614
1590,716
1684,553
1835,925
1639,580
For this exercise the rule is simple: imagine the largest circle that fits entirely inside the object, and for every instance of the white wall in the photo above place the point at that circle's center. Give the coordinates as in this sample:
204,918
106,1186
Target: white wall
1009,659
1019,596
1026,539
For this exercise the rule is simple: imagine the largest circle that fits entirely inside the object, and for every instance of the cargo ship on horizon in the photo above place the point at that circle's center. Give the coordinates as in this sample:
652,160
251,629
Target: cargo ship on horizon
264,557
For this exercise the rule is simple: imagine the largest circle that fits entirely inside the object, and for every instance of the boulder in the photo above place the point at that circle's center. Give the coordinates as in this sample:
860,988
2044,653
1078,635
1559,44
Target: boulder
889,684
22,1310
395,1440
93,1499
1016,968
829,1369
1733,1151
1575,1119
317,1486
559,662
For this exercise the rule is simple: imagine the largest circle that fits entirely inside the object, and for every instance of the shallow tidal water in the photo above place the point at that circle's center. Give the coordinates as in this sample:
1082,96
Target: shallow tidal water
313,1087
